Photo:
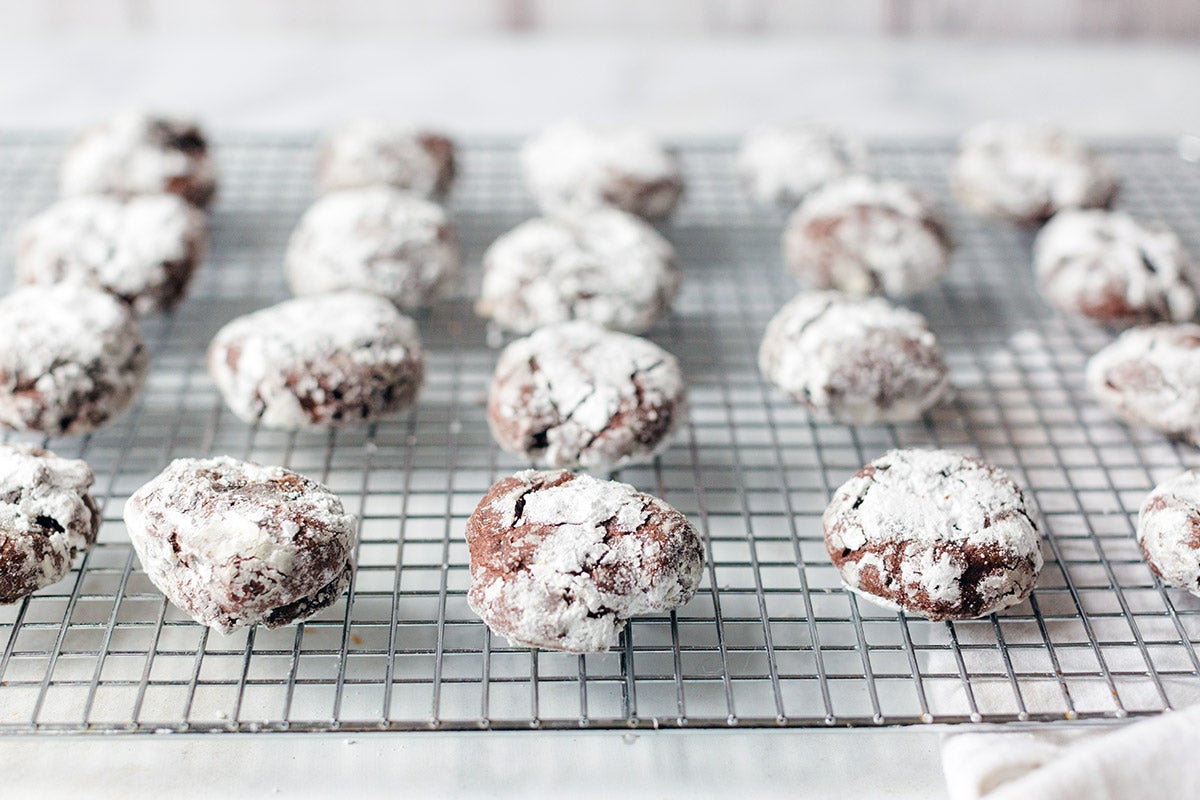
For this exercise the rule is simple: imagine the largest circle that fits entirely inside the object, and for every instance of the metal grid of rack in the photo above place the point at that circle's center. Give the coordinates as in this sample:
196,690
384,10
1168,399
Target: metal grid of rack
770,641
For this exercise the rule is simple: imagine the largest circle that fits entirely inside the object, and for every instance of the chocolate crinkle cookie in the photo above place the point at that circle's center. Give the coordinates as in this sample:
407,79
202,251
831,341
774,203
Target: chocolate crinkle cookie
867,236
571,167
377,239
605,266
574,394
1113,268
562,561
318,362
781,165
71,358
47,518
1026,173
854,360
934,533
234,543
370,152
139,153
1151,377
1168,531
142,249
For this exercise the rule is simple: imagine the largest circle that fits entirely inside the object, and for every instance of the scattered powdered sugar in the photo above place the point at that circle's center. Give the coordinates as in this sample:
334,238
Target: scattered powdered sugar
576,394
934,511
66,350
376,239
47,518
1169,530
131,247
368,152
782,164
1028,171
593,554
867,236
571,167
605,266
265,362
1151,376
230,542
1108,264
857,360
132,153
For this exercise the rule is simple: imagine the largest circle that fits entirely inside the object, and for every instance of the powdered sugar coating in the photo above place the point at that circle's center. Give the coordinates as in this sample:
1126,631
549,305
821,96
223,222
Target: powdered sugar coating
571,167
1111,267
1027,173
377,239
935,533
1151,377
574,394
71,358
143,249
139,153
780,165
316,362
1168,531
234,543
47,518
855,360
371,152
562,561
867,236
605,266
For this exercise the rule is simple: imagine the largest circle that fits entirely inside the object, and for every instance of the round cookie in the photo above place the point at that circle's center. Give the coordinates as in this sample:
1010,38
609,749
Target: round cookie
1150,377
377,239
934,533
1168,531
867,236
576,395
370,152
854,360
142,249
71,358
318,362
47,518
138,153
234,543
780,165
1112,268
571,167
562,561
1027,173
605,266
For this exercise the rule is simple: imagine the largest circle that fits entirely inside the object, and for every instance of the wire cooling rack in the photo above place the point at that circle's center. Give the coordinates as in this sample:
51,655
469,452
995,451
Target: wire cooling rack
771,640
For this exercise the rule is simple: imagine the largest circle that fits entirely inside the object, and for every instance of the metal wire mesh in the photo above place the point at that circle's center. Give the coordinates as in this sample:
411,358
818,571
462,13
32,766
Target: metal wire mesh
771,640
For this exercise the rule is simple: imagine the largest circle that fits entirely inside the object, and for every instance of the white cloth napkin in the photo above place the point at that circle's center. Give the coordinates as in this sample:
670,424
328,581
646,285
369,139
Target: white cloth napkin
1156,758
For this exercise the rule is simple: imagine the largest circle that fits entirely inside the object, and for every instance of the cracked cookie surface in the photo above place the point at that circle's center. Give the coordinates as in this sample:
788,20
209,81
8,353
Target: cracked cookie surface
604,266
370,152
780,165
934,533
319,361
47,518
1168,531
1151,377
135,153
375,239
855,360
867,236
71,358
1113,268
234,543
142,249
574,394
561,561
